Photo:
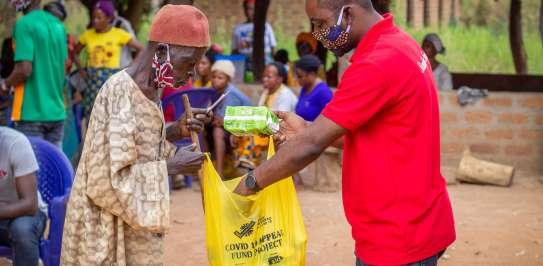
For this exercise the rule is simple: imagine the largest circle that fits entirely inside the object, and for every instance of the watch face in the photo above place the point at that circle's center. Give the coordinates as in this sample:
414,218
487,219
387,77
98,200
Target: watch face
250,182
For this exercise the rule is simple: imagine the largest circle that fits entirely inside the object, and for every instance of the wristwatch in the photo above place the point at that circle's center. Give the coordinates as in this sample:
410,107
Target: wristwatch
250,182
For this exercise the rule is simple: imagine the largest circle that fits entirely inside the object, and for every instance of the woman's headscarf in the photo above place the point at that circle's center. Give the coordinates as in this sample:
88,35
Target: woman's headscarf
106,7
307,37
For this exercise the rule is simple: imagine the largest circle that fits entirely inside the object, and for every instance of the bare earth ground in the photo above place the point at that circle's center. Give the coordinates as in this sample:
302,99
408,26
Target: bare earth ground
495,226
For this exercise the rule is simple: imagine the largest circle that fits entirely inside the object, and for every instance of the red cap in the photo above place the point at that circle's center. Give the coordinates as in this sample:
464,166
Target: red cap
182,25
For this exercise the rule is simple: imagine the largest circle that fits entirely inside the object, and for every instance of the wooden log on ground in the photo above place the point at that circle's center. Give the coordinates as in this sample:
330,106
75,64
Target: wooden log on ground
473,170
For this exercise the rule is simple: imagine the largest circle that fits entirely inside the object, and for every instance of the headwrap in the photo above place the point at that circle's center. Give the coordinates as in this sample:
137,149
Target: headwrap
106,7
307,37
309,63
434,39
225,66
57,6
181,25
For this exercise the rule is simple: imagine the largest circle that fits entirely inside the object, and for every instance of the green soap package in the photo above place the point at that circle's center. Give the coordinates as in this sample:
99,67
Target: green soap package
248,120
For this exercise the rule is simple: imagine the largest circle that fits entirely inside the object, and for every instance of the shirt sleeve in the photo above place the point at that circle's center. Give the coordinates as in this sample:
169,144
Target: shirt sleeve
446,79
135,191
235,39
285,102
24,44
271,35
83,38
124,37
362,93
325,96
22,158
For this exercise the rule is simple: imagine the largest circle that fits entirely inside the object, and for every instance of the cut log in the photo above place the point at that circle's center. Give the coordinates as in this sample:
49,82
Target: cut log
473,170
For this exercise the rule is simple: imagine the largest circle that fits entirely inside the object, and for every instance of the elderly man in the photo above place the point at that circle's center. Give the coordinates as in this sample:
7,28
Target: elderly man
119,205
386,112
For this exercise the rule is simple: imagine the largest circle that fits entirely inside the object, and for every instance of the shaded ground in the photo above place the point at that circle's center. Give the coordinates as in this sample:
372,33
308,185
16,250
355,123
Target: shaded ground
495,226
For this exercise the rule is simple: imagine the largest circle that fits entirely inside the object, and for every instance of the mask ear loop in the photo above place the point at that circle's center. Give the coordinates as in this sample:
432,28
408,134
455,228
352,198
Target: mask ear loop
340,18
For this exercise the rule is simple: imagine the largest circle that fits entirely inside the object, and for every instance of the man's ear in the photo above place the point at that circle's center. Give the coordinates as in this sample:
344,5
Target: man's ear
161,51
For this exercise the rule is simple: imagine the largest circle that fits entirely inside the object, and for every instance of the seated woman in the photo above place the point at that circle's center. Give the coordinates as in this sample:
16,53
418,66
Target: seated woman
276,96
315,95
433,46
203,70
222,73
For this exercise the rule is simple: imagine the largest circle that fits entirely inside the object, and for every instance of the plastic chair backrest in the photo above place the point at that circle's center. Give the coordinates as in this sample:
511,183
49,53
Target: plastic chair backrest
55,175
199,98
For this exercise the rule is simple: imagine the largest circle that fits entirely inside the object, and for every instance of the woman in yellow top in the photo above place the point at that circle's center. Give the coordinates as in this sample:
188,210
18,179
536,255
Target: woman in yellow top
103,45
203,69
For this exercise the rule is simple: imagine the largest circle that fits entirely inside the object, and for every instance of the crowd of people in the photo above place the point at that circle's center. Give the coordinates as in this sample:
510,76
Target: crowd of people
123,84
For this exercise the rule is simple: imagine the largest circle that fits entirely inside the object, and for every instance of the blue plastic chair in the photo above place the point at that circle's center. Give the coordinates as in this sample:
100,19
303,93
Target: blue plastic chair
55,178
199,98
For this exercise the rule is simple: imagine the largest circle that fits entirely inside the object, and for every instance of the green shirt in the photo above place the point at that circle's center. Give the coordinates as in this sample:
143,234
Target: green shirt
41,39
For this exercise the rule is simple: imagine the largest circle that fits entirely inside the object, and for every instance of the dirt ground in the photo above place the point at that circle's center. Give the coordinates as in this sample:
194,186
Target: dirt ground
495,226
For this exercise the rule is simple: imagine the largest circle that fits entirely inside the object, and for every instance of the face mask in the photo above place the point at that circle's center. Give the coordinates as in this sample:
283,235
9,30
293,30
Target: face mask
163,72
334,38
20,5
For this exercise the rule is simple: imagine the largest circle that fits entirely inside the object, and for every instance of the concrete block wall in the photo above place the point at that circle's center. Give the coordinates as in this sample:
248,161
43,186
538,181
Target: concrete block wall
505,127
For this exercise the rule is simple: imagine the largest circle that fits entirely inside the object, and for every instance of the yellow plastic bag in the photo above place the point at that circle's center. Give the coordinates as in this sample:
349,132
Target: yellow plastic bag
262,229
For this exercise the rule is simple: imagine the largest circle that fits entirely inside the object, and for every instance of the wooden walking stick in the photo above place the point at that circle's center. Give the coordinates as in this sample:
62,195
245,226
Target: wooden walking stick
188,110
195,140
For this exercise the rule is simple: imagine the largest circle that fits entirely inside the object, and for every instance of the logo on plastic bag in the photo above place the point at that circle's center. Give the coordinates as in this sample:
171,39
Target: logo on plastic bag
245,230
275,260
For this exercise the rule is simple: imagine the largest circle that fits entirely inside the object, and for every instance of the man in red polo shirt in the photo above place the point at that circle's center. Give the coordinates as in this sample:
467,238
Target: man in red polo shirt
385,115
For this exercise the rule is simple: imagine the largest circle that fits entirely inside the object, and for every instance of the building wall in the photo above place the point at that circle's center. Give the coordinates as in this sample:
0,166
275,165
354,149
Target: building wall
505,127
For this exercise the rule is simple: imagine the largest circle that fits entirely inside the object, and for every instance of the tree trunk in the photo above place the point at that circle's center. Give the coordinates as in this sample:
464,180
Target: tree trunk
259,60
515,37
135,12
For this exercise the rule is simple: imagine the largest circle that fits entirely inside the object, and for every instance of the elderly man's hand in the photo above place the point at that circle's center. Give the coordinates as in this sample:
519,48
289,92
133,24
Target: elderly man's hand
291,124
184,125
186,161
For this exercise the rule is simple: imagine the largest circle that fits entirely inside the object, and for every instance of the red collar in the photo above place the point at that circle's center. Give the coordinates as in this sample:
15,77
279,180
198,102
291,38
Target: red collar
373,33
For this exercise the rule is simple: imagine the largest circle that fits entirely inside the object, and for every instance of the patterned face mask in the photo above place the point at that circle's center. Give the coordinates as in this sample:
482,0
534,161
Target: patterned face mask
334,38
163,71
20,5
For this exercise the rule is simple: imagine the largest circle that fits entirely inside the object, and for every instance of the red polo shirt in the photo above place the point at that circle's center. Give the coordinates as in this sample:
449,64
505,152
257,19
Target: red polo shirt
393,193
